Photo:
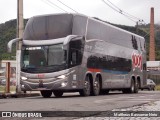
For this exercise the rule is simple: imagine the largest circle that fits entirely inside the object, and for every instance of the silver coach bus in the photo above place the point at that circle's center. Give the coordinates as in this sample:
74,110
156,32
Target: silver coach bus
75,53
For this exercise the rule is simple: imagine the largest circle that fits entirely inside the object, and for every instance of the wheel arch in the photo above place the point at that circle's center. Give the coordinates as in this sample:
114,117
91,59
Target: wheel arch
133,78
90,75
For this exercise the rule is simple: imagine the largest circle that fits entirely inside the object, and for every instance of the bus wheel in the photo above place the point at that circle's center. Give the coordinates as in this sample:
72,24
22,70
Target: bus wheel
133,87
96,87
46,93
87,88
136,87
58,93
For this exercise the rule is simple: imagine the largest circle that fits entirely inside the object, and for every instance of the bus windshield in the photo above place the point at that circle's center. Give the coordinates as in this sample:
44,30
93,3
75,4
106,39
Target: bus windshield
42,59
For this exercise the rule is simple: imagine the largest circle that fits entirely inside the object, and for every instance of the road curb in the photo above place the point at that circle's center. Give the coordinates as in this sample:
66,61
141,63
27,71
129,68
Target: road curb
17,95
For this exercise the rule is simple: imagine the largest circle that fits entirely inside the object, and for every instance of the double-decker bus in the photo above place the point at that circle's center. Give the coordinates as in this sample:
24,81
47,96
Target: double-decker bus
75,53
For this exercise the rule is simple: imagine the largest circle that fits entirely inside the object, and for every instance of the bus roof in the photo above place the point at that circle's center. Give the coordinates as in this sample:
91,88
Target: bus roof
53,26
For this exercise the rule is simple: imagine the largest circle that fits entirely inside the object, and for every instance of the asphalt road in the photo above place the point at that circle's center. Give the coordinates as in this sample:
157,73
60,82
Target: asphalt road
73,102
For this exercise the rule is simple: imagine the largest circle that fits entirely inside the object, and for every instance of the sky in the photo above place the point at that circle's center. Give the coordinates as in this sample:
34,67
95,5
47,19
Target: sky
92,8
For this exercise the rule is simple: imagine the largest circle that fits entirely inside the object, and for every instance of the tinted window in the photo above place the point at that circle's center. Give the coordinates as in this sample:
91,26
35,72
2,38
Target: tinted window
109,63
43,59
75,52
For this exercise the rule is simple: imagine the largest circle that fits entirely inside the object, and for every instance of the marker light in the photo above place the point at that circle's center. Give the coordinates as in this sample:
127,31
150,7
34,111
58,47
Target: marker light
63,84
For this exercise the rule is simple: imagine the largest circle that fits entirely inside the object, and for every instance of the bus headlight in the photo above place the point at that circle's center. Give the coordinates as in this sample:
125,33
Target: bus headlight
22,86
23,78
61,77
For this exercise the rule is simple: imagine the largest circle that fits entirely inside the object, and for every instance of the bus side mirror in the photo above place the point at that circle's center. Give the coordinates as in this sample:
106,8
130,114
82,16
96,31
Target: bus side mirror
10,43
67,40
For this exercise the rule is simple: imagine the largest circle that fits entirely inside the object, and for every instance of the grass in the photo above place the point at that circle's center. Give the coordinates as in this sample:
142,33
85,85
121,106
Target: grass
3,88
157,87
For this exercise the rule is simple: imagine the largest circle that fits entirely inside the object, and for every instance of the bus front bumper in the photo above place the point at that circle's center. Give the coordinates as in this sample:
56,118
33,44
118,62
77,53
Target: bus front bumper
43,85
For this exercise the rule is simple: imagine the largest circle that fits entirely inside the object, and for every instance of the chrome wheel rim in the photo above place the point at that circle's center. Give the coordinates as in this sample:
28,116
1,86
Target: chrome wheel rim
96,86
87,86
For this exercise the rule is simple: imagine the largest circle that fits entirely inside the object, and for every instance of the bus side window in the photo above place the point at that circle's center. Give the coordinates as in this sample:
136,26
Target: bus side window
75,52
74,56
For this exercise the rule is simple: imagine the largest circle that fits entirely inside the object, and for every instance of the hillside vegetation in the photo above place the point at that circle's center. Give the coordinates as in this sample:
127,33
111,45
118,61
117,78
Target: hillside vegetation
8,32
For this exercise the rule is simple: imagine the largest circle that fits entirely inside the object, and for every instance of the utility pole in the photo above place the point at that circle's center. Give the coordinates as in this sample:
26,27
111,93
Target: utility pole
20,23
20,26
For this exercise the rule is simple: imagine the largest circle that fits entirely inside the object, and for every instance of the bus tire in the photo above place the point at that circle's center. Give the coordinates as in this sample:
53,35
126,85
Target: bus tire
96,87
58,93
153,89
87,87
131,89
136,87
46,93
